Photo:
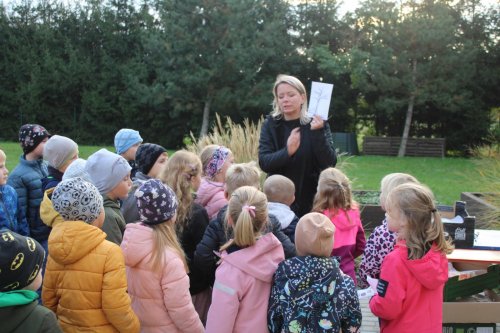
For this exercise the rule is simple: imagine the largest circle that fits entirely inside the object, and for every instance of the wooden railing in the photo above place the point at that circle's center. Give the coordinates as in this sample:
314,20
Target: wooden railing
389,146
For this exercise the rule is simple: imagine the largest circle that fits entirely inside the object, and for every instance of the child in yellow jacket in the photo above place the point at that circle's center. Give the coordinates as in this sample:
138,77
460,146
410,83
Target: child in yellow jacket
85,282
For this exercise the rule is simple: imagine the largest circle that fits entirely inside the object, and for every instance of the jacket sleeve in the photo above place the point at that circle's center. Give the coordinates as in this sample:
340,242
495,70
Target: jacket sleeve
22,193
218,201
375,251
112,228
390,305
204,256
21,221
271,159
288,246
323,147
50,281
115,300
360,241
177,300
351,310
226,297
275,313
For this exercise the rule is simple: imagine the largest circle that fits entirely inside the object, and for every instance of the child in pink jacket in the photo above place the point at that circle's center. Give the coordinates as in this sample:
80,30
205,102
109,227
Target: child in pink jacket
156,266
215,162
248,262
410,289
334,199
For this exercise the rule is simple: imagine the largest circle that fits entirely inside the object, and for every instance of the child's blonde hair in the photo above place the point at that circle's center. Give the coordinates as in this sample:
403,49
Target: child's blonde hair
392,180
178,173
248,211
423,223
242,174
333,193
207,154
2,154
164,236
279,188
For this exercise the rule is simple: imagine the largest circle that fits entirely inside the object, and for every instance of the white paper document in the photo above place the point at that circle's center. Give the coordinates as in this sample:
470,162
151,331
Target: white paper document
319,101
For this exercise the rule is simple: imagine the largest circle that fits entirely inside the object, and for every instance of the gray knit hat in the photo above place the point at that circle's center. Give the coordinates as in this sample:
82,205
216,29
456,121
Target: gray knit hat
58,150
77,200
106,170
77,169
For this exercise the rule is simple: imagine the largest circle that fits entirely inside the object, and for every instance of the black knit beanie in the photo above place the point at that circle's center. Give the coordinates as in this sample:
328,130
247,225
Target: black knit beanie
146,156
30,136
21,260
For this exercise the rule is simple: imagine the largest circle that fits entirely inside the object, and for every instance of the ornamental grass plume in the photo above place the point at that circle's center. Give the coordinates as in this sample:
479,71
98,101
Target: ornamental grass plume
241,139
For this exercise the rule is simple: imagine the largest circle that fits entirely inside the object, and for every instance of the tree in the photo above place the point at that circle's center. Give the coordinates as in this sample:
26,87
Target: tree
215,52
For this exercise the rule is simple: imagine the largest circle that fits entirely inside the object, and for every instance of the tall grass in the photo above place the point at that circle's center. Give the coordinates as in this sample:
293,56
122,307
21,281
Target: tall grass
241,139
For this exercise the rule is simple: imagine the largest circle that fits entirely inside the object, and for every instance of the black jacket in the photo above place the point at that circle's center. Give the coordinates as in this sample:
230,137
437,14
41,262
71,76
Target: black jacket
315,154
215,236
190,237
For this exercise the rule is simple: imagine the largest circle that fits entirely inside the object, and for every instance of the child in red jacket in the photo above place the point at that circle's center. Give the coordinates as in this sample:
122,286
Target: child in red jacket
410,289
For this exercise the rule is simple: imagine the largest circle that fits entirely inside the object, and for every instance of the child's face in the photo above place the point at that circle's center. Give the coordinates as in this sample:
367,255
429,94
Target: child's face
221,176
120,191
4,172
129,155
195,182
395,219
160,162
38,151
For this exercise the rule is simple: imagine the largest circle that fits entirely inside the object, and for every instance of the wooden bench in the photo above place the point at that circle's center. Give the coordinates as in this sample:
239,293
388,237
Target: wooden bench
389,146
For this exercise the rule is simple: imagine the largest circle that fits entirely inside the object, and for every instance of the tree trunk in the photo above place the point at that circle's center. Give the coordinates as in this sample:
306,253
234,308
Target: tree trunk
409,111
206,117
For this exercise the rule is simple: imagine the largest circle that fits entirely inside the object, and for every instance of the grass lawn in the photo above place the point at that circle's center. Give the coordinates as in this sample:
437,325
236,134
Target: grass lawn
447,177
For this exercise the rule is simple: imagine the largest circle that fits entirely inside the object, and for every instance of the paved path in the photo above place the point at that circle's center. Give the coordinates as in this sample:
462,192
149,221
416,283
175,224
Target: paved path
370,322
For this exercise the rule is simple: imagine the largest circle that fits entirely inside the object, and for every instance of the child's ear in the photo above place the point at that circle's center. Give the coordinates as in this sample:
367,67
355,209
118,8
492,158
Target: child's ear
226,194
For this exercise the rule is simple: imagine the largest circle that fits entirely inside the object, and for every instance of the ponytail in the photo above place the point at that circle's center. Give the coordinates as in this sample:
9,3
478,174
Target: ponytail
247,210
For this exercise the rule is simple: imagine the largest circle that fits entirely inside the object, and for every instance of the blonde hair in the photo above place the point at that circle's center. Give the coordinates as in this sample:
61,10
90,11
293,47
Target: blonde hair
207,154
392,180
279,188
2,154
333,193
423,223
164,236
295,83
245,226
242,174
178,172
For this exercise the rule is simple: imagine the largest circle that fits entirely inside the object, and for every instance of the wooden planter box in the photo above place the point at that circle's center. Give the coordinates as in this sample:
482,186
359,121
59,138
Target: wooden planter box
478,206
389,146
372,214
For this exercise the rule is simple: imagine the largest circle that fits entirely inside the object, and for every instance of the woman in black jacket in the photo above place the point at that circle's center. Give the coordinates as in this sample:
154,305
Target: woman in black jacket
294,145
